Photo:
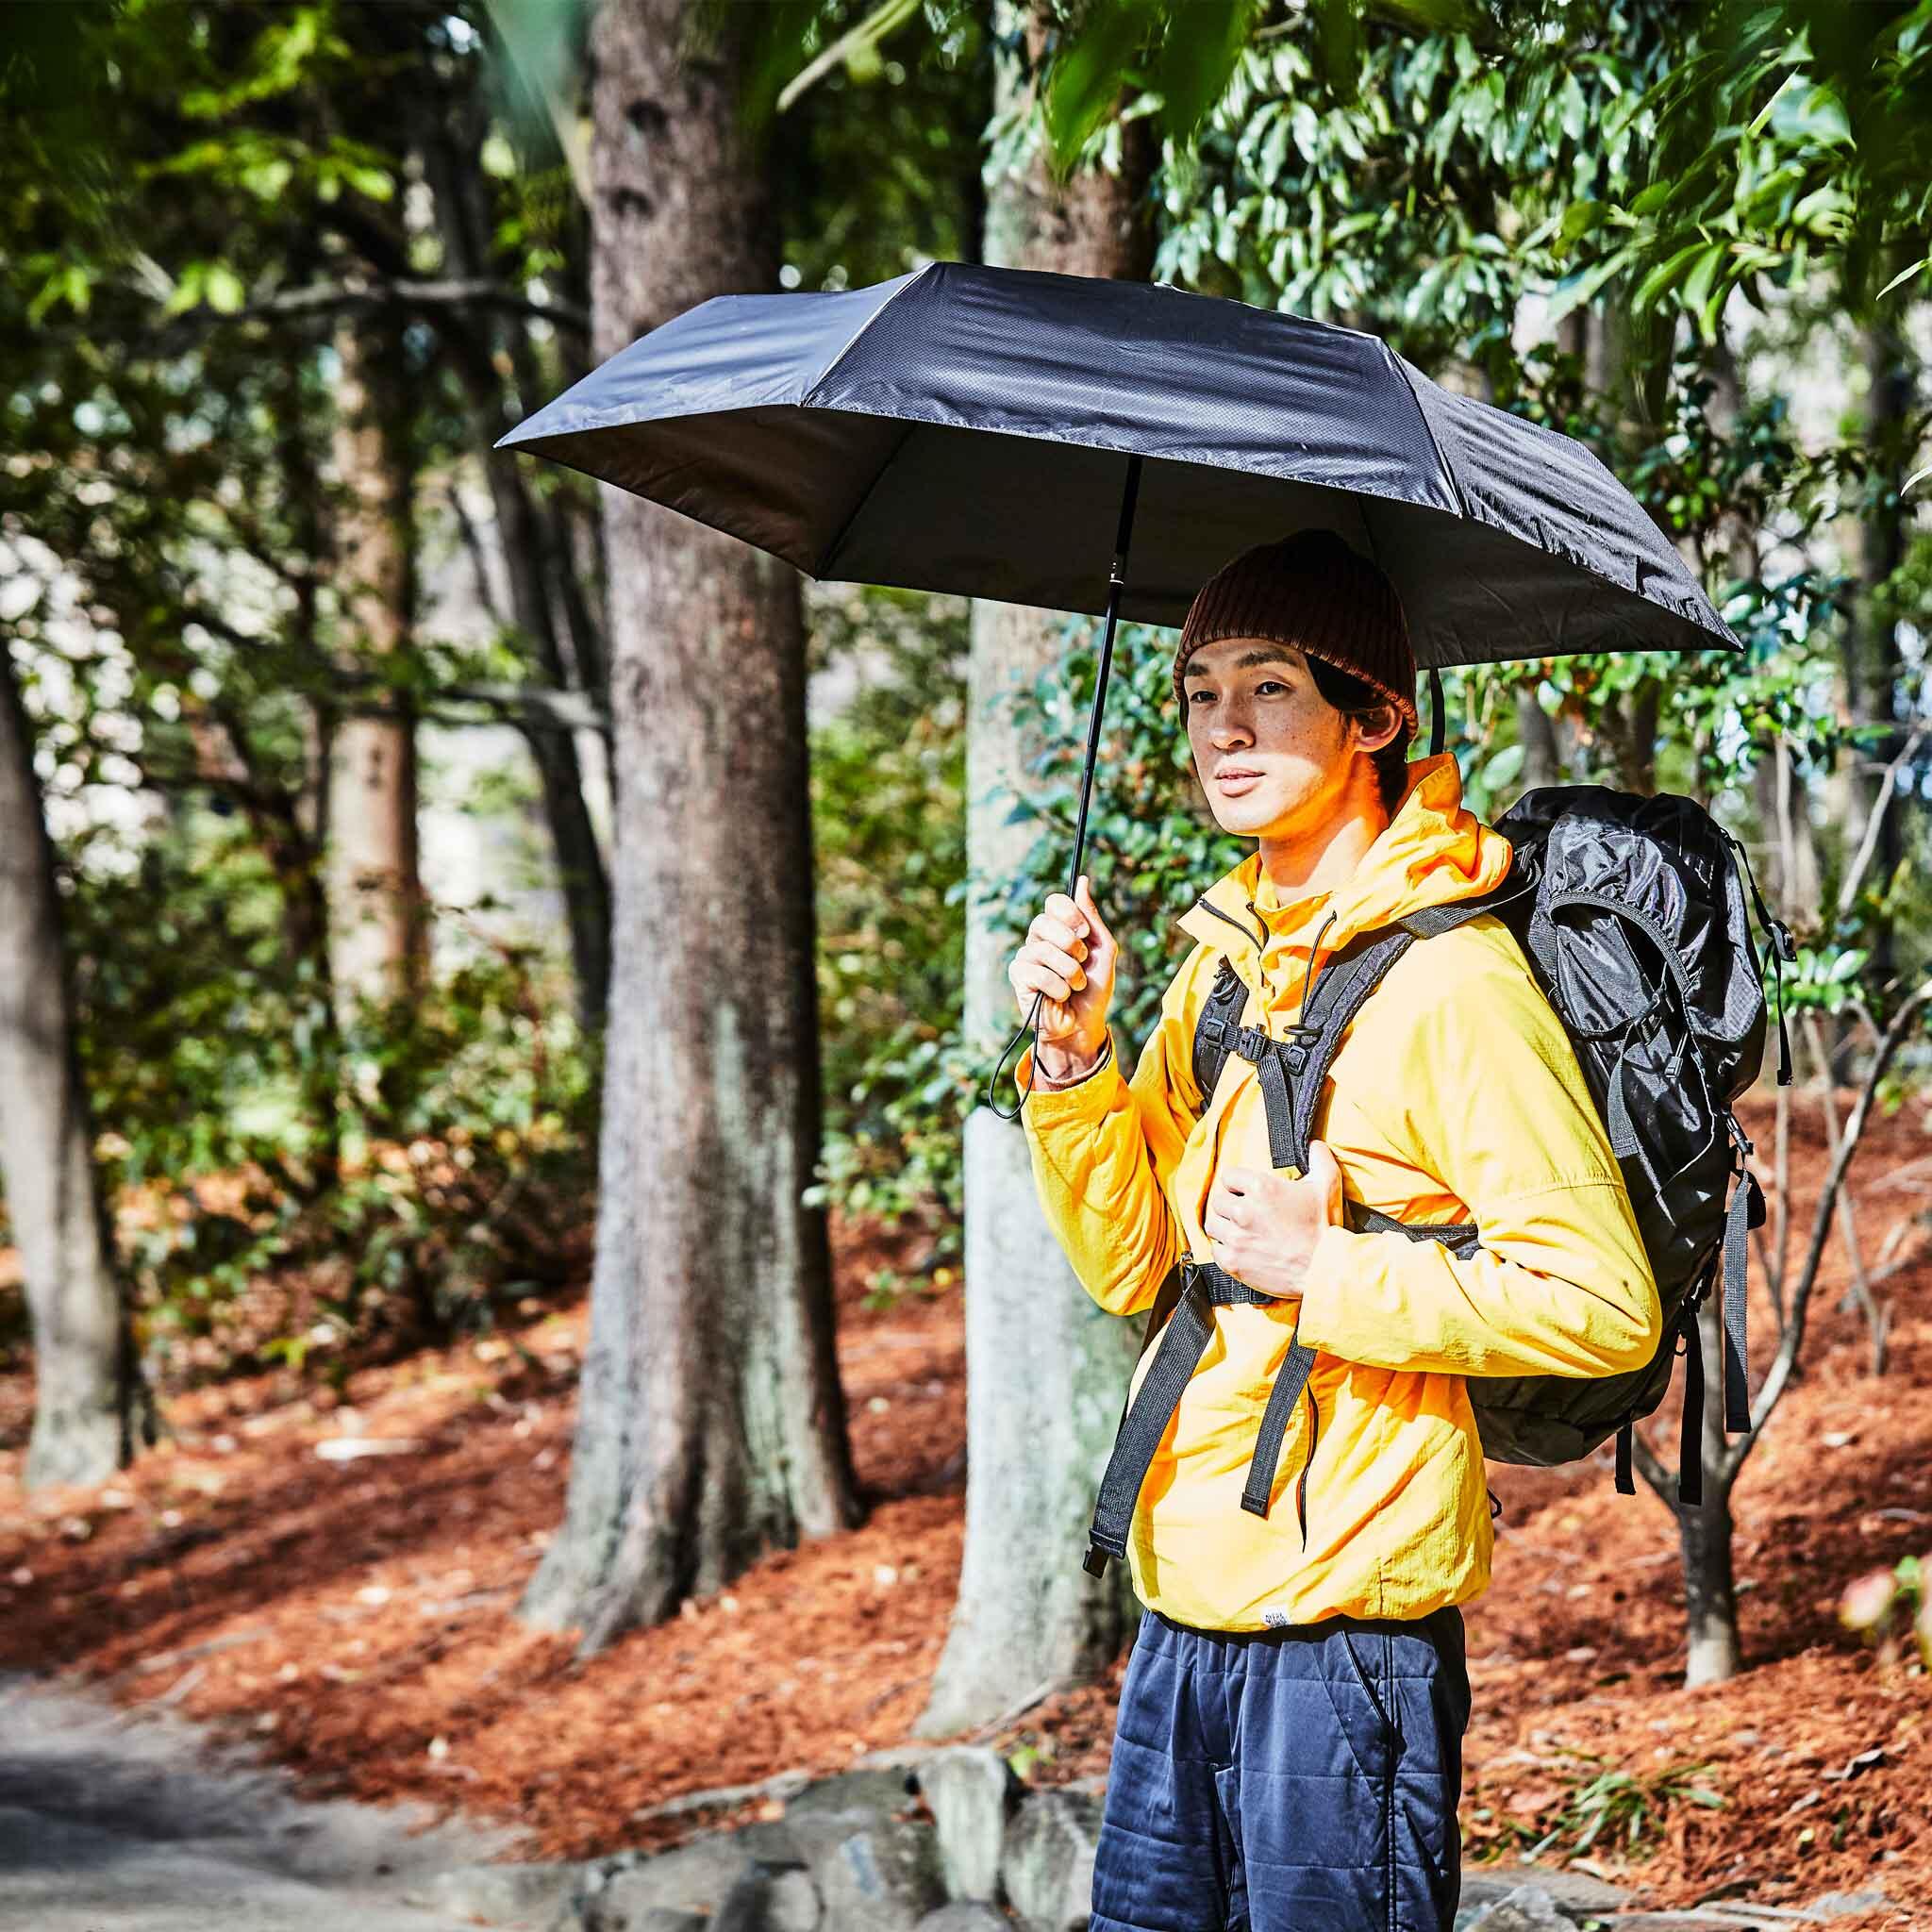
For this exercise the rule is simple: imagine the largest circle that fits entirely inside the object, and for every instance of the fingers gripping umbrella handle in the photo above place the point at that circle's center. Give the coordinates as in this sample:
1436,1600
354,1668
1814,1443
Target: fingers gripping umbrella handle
1117,578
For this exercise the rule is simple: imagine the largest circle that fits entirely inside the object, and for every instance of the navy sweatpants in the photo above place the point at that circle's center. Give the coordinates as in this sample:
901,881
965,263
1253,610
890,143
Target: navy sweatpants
1302,1779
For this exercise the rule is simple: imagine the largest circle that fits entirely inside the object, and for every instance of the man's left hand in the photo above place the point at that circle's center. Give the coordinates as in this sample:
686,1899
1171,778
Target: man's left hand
1264,1224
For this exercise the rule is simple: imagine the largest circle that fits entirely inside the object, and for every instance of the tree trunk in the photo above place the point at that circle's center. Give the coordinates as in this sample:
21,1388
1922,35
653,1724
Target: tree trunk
376,897
1710,1596
711,1425
1788,866
1536,731
526,534
1872,660
1045,1370
83,1361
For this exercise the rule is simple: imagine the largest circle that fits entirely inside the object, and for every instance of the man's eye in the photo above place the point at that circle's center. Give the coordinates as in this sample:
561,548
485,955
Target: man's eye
1271,683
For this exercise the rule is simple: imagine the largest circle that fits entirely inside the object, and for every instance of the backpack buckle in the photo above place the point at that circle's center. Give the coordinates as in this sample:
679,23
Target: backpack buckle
1294,1049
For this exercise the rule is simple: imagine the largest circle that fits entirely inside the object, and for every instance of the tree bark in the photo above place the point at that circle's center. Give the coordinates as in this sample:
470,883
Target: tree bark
375,895
1045,1370
1536,731
1710,1594
1872,658
84,1370
711,1425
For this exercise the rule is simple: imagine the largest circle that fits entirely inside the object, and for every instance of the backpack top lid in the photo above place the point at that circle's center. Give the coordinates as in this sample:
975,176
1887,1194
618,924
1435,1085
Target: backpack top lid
1664,867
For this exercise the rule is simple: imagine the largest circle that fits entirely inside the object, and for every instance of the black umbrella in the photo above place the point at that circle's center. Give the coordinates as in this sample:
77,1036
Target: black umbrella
993,432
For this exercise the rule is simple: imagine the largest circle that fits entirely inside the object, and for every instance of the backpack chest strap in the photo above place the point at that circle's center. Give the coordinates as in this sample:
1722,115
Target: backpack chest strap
1292,1067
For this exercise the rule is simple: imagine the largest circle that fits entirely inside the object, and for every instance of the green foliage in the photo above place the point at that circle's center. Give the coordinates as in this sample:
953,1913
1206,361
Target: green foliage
1399,188
290,1187
1805,131
1625,1813
889,780
1883,1607
1627,1809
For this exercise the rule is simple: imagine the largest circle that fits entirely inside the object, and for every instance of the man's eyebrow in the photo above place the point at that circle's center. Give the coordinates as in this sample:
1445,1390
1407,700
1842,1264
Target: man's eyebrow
1271,654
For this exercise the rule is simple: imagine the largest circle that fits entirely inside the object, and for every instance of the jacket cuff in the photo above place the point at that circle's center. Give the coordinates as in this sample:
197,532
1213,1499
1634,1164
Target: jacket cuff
1334,1262
1090,1096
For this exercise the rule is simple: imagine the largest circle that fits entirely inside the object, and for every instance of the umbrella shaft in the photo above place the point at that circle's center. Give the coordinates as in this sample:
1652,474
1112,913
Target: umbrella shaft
1116,583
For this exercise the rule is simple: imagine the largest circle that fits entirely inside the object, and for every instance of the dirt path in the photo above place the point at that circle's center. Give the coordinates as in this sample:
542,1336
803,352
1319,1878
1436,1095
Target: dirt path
111,1820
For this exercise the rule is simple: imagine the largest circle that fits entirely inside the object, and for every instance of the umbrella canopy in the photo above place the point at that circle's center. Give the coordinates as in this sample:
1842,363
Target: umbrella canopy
962,428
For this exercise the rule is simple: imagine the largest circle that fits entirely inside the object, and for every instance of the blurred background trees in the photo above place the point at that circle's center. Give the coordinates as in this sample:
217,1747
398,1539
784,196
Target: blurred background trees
329,728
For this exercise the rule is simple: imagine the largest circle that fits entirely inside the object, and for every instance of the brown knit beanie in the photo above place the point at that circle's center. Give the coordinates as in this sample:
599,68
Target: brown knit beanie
1312,591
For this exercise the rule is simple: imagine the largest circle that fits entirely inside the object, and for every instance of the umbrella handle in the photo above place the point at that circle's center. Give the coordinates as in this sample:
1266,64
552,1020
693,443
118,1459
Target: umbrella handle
1116,582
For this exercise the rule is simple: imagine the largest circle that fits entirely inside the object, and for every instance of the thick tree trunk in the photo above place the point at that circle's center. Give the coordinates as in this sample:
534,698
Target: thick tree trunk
83,1363
1045,1370
711,1424
376,897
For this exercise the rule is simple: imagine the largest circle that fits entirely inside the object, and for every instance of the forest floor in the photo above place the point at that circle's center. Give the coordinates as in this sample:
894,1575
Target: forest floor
333,1574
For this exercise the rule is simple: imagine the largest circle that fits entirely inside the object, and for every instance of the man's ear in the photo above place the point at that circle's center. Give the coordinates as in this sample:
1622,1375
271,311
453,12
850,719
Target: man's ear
1376,725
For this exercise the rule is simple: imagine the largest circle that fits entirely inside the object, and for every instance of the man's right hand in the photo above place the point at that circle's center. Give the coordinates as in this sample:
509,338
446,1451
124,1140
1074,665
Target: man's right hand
1068,957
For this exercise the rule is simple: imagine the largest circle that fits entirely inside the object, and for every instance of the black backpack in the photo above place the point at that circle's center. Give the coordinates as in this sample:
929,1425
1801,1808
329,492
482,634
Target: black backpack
1631,914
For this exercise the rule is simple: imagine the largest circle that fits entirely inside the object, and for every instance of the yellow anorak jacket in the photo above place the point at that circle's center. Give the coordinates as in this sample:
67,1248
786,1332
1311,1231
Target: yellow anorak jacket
1455,1096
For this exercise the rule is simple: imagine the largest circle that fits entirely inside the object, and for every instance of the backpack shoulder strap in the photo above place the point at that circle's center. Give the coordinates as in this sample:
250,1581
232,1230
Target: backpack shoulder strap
1345,982
1215,1026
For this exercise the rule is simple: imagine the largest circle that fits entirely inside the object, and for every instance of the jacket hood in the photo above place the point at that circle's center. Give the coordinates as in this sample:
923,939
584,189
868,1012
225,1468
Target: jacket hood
1433,850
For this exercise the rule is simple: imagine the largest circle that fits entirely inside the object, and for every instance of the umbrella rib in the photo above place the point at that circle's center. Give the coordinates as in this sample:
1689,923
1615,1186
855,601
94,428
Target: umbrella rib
830,553
1429,430
858,335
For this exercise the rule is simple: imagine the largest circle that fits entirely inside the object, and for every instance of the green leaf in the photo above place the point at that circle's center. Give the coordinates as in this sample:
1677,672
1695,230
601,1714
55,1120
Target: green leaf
1339,31
225,289
185,293
1697,284
1092,65
1504,768
1904,275
1199,53
1663,274
1581,216
1581,287
1575,110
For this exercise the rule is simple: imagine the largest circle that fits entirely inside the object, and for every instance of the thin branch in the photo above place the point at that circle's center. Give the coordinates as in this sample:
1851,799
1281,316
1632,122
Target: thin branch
329,298
1653,1472
1774,1385
535,706
1875,822
473,292
1848,1219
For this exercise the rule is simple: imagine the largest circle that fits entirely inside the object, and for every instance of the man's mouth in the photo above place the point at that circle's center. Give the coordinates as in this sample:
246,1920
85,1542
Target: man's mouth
1235,779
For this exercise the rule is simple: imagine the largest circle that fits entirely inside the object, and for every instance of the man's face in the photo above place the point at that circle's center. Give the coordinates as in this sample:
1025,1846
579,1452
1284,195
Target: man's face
1272,754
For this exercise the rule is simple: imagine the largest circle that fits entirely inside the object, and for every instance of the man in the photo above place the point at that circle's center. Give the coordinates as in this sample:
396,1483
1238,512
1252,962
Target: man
1288,1752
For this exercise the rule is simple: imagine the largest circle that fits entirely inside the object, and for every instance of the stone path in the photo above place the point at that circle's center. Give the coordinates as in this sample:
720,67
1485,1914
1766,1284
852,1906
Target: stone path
113,1820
